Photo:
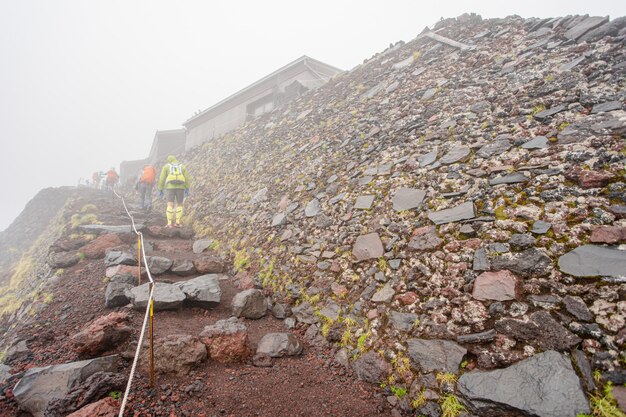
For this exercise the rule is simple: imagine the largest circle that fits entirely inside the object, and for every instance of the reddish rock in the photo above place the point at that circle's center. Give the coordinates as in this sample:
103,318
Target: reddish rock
425,238
407,298
368,247
339,290
246,281
209,264
589,179
226,340
97,248
608,234
103,334
453,246
473,243
106,407
176,354
498,286
124,270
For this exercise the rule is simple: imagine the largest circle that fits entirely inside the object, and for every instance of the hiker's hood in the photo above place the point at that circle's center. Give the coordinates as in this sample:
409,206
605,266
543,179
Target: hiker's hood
171,159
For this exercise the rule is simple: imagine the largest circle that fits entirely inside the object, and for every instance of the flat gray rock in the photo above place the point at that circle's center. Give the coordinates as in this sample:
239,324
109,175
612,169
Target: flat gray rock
183,268
435,355
279,219
117,294
203,291
538,142
4,372
313,208
201,245
544,385
544,114
594,261
494,148
408,198
102,228
364,202
402,321
427,159
540,227
39,386
368,247
463,211
166,296
608,106
456,154
513,178
385,294
277,345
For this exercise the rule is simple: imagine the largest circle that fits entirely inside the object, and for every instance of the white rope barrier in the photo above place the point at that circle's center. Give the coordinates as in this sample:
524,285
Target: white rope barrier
148,313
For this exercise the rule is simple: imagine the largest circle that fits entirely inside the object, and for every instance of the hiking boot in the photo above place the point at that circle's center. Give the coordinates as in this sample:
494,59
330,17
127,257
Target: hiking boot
178,225
169,226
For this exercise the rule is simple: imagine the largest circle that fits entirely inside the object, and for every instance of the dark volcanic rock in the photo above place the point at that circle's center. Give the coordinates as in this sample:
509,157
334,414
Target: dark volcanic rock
435,355
463,211
370,367
541,329
544,385
577,308
531,262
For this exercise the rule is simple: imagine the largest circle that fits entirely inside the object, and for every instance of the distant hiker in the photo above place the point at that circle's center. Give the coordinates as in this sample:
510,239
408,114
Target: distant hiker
175,181
111,179
144,185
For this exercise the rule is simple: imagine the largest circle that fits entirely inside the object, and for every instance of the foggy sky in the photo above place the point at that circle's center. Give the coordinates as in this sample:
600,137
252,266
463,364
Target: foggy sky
85,84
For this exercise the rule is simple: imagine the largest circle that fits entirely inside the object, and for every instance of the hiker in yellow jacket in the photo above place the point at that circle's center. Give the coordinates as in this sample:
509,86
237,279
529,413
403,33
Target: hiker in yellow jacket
175,181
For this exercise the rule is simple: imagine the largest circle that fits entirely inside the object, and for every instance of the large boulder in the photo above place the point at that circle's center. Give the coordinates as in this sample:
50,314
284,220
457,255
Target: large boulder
166,296
103,334
63,259
39,386
203,291
226,340
201,245
116,257
117,294
209,264
276,345
17,352
158,264
544,385
176,354
435,355
183,268
96,249
250,304
92,389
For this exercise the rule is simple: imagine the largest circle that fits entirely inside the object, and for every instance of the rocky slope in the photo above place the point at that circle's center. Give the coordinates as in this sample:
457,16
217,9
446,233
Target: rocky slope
463,192
445,221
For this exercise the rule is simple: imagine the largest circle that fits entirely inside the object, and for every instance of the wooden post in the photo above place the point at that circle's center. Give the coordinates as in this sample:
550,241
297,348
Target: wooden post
138,260
151,339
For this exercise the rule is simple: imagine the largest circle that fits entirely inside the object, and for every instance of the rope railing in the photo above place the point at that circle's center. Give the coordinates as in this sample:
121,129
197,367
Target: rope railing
149,314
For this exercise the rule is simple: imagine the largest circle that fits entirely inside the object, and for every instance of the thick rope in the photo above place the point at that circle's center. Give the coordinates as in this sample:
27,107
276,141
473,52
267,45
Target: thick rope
148,308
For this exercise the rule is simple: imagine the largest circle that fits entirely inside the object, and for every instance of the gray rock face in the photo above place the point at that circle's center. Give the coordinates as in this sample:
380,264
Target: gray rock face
39,386
250,304
585,26
608,106
166,296
428,158
544,385
158,264
435,355
17,352
117,294
531,262
4,372
368,247
594,261
116,257
456,154
313,208
201,245
64,259
277,345
463,211
408,198
538,142
540,227
203,291
279,219
370,367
